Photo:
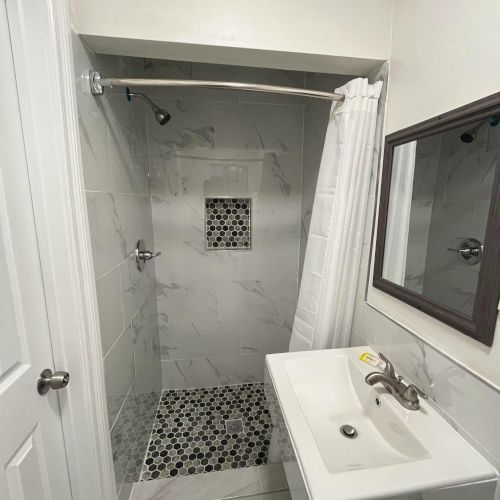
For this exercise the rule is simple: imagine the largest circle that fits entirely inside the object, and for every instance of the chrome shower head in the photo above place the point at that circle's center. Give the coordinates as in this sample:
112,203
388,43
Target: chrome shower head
470,135
162,115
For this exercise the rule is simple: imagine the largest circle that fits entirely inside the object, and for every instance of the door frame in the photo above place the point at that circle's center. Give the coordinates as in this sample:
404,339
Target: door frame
41,43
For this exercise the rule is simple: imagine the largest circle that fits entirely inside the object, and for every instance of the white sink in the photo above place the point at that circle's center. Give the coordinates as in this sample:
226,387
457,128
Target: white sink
396,451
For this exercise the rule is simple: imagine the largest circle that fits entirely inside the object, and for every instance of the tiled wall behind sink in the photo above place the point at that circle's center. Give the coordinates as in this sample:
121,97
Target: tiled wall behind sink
222,311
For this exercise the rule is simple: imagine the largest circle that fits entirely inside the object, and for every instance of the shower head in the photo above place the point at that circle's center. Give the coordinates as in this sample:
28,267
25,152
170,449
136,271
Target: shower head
162,116
469,135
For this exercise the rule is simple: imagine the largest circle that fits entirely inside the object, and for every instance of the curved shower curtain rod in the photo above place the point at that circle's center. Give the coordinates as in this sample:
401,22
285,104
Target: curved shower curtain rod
97,85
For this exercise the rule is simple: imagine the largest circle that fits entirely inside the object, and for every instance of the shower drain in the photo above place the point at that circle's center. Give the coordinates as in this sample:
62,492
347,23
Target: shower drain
234,426
348,431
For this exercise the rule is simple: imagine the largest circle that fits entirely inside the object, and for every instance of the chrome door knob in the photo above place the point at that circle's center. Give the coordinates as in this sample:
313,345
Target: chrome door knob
49,380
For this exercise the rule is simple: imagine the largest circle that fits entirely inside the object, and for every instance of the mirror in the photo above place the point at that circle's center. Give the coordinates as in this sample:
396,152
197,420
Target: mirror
438,237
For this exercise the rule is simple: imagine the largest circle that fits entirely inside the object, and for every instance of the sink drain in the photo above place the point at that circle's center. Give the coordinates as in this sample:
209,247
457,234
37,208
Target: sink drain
348,431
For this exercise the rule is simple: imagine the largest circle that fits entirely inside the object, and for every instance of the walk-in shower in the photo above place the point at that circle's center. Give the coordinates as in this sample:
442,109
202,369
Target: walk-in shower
225,193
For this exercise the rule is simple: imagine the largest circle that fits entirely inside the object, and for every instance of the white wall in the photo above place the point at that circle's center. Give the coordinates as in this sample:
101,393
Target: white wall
332,36
444,55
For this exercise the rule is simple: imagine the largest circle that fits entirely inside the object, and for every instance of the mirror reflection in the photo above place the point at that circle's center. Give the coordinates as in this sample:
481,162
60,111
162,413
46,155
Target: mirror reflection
440,194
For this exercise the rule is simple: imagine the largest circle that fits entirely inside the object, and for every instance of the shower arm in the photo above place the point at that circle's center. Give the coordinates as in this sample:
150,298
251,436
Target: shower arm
97,85
143,96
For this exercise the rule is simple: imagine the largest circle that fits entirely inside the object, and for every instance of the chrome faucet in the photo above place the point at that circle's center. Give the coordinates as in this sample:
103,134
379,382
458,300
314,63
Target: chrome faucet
406,395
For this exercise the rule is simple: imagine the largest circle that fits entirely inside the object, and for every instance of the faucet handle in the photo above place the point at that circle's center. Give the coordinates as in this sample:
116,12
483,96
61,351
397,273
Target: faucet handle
389,368
412,392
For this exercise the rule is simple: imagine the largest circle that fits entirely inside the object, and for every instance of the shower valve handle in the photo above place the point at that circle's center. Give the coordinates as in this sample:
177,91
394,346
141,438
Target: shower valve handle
147,255
142,255
470,250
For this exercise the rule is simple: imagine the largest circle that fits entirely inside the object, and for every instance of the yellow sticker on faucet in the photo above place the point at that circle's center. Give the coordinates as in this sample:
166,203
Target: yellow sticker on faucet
371,359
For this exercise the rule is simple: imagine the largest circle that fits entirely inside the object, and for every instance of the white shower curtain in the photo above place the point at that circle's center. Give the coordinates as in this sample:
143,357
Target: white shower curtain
398,218
329,278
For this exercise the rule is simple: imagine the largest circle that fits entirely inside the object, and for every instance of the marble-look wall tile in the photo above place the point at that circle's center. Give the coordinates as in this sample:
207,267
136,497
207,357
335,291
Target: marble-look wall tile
268,76
135,217
119,442
249,126
146,345
106,232
192,127
186,70
108,289
136,287
130,437
94,146
194,339
119,373
236,483
212,371
266,301
113,145
199,71
222,143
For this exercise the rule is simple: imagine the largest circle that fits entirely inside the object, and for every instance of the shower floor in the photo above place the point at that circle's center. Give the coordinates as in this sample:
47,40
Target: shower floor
208,429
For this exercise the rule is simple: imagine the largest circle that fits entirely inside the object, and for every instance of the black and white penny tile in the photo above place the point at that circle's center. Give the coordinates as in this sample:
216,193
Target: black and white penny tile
209,429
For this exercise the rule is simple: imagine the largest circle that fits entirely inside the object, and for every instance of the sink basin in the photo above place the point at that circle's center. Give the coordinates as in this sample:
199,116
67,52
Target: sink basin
386,451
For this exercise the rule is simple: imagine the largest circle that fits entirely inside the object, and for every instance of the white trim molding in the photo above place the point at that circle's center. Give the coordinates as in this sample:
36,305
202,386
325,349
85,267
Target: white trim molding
41,40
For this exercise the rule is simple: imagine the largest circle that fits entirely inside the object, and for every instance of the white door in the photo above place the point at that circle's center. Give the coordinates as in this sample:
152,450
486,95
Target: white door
32,453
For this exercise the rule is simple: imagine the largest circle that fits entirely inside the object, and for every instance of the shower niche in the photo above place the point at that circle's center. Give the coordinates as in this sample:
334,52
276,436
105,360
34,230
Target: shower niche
228,223
438,242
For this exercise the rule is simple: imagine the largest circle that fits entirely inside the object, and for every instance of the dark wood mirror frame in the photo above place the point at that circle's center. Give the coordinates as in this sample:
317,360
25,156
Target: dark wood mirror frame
481,326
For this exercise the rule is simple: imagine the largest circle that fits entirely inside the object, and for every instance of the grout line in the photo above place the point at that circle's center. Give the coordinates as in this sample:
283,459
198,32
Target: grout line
262,494
111,269
212,386
260,478
121,406
115,342
121,299
150,436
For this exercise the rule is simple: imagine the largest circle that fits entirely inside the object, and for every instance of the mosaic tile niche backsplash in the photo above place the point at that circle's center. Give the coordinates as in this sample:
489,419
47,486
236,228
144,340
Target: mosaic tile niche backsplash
228,223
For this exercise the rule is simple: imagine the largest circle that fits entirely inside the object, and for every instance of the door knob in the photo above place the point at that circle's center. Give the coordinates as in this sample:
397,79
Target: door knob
49,380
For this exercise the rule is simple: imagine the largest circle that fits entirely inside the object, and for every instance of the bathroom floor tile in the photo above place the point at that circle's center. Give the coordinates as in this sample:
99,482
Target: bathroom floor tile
190,436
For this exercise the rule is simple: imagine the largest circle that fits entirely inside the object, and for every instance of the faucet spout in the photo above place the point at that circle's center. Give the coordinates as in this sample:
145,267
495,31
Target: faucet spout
377,377
406,395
